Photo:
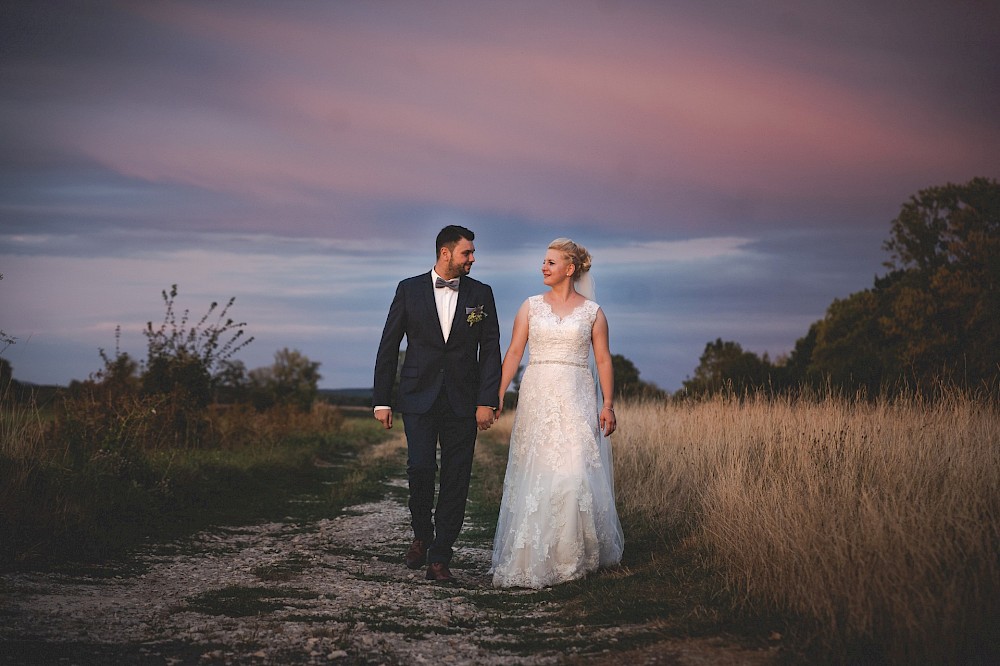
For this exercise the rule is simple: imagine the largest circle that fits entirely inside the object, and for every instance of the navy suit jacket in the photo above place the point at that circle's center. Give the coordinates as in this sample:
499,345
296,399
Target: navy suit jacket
467,366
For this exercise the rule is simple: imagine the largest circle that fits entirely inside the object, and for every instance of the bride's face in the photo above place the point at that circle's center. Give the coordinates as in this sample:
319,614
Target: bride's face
556,267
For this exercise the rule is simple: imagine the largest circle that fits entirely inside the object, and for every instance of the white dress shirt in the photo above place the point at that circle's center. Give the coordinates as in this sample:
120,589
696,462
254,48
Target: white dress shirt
446,300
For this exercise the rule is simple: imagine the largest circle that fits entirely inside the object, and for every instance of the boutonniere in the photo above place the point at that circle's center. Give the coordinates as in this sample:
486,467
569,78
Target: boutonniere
474,315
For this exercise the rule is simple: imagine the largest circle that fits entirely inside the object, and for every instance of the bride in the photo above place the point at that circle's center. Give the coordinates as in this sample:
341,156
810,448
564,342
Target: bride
558,520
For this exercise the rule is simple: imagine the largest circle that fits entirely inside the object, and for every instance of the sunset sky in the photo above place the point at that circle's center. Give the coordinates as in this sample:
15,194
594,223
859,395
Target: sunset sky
733,167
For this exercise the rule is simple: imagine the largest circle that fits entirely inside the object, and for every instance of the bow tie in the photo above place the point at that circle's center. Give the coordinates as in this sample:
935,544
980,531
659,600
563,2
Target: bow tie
451,284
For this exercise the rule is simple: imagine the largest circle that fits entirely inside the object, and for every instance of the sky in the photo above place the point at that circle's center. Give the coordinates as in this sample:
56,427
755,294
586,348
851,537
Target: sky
732,167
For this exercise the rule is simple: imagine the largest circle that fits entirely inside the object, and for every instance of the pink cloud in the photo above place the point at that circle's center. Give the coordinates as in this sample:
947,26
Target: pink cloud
551,121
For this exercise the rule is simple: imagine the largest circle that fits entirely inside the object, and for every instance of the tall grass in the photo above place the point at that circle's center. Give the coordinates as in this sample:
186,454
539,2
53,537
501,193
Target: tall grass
101,471
875,525
21,427
22,447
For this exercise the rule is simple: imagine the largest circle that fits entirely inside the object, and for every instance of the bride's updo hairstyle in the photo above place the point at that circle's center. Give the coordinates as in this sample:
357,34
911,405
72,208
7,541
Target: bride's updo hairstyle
576,253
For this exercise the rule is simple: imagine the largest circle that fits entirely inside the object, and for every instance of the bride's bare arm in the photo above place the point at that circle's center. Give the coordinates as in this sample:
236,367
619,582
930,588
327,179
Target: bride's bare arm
605,372
518,341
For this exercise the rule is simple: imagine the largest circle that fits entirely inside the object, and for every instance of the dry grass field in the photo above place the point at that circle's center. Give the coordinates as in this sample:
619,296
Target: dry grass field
870,528
876,524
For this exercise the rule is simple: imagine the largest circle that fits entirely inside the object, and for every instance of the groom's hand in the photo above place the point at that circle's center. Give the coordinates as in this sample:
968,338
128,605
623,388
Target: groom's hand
484,417
385,416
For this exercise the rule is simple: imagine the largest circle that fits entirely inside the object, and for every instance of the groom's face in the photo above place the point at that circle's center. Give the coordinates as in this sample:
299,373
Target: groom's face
461,259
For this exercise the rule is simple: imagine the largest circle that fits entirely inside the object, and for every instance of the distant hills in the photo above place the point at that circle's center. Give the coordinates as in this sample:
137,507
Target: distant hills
347,396
45,394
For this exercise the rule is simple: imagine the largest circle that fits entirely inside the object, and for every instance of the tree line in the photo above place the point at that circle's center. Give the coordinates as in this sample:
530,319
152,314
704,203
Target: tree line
933,319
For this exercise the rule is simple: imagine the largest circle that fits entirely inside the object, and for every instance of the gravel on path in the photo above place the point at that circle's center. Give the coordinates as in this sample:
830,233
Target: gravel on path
329,591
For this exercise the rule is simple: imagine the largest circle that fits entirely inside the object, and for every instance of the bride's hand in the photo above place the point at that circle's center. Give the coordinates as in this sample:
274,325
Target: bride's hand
608,422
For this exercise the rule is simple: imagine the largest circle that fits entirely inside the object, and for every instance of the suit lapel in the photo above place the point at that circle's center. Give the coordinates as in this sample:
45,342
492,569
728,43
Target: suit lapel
464,289
430,304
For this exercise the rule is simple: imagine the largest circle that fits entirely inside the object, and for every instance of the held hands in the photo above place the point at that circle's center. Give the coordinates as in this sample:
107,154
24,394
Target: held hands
608,422
485,416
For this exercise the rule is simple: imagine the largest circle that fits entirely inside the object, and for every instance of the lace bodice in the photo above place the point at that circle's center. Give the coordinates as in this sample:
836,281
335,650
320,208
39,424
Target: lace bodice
555,339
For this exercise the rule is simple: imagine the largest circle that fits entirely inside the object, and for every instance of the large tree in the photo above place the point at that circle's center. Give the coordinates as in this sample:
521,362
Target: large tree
945,282
936,315
851,349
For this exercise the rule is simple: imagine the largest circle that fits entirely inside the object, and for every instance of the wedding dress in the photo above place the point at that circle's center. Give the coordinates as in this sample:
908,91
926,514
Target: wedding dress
558,519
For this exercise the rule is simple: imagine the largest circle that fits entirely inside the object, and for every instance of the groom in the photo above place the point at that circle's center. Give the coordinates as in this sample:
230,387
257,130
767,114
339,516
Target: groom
448,386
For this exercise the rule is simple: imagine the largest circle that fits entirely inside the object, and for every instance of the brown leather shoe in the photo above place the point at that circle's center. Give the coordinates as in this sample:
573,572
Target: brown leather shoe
438,571
416,556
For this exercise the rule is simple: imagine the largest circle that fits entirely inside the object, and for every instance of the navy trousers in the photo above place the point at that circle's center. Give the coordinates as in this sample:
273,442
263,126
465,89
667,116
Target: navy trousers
439,525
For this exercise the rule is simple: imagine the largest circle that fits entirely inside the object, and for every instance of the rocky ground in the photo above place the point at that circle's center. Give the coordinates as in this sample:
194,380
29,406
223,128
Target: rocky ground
331,590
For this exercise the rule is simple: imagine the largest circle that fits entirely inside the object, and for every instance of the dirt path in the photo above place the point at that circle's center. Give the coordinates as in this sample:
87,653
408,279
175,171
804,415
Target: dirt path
330,591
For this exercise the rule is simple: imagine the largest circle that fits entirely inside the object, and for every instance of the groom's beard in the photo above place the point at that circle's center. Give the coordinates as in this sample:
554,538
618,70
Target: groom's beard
459,270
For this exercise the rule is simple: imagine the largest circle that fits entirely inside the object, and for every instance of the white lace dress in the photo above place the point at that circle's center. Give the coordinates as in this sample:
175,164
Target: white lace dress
558,520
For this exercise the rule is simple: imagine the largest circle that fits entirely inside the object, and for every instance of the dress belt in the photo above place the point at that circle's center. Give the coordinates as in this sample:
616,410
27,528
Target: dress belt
578,365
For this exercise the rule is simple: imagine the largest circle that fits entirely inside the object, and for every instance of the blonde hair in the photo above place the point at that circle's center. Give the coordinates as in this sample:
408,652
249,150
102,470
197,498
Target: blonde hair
575,253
